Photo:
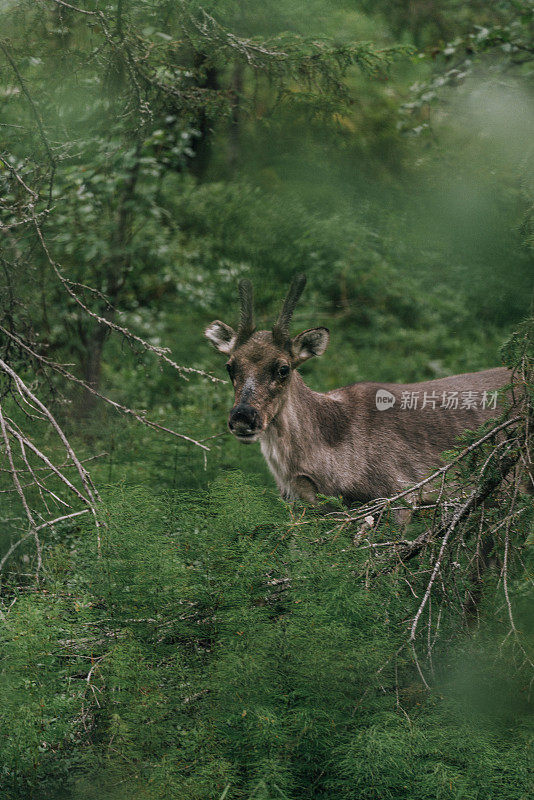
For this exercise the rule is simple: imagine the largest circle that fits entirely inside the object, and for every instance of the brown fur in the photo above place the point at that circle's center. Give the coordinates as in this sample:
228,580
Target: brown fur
347,447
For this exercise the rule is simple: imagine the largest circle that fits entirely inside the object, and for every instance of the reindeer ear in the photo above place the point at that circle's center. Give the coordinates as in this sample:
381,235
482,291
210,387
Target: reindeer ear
222,336
309,343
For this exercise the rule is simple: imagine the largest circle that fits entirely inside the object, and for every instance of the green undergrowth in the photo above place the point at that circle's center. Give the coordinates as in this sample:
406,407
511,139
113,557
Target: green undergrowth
220,646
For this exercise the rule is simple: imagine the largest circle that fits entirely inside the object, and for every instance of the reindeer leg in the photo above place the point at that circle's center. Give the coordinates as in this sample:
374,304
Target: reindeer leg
305,489
402,517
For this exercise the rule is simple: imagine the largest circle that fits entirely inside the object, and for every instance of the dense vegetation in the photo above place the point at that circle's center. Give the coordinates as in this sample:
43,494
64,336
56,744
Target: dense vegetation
180,631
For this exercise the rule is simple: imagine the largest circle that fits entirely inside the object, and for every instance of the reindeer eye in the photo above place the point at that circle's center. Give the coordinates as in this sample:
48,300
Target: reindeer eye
283,371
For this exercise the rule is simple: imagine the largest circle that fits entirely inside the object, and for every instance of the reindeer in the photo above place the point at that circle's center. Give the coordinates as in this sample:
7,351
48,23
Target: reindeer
360,442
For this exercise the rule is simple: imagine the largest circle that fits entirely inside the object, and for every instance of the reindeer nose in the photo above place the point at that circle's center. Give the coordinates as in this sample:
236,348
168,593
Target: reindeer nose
244,419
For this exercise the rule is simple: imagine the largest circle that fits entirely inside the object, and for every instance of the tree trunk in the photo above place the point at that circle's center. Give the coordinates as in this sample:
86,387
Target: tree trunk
116,276
202,145
235,124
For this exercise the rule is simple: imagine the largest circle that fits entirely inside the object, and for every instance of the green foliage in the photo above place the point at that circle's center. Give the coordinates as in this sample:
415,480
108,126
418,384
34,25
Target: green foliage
42,696
216,645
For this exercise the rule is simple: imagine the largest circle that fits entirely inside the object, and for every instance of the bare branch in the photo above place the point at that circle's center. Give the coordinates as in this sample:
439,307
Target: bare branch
20,492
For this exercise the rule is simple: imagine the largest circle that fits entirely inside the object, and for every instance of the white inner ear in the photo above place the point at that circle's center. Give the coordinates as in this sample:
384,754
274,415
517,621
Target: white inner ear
222,336
311,343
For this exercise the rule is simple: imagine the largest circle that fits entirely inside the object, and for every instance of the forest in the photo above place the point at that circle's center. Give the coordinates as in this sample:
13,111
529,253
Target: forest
171,628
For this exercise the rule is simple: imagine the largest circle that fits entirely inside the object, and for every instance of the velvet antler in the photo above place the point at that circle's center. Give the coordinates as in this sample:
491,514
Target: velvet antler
281,326
246,319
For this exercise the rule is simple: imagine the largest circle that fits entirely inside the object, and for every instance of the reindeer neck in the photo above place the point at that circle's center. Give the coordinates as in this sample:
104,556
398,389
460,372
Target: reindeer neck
293,418
284,439
306,420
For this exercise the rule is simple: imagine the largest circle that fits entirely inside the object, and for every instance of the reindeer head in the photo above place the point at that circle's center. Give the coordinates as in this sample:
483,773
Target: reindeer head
261,363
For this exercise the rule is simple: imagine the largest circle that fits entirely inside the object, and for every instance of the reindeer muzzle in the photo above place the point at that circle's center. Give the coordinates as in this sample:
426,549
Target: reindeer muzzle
244,422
